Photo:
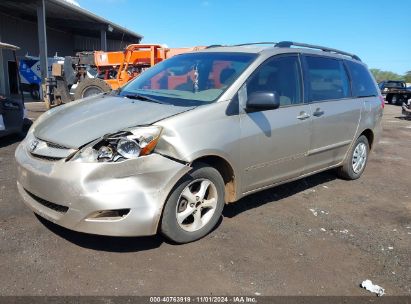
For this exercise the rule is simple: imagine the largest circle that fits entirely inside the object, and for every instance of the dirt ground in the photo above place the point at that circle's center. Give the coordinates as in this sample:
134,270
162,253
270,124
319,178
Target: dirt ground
270,243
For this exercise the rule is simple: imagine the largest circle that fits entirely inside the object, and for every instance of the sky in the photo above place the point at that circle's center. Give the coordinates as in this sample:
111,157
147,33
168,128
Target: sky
378,31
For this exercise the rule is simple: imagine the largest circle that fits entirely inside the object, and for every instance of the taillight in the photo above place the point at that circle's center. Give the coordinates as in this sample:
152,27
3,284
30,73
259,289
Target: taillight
382,102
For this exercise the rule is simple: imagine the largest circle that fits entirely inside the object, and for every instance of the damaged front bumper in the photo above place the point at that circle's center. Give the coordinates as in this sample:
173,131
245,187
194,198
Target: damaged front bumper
116,199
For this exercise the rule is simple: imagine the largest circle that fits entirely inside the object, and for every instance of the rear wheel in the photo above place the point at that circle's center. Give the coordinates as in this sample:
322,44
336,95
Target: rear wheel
356,160
194,206
394,99
91,86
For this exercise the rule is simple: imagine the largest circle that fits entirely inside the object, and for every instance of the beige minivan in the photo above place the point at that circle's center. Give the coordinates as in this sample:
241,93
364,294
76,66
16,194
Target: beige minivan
168,150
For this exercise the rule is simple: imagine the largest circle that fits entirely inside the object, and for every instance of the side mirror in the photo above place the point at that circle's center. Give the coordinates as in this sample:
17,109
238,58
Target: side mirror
260,101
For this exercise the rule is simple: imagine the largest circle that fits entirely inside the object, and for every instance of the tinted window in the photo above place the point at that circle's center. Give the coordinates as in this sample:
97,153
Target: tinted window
394,84
280,75
362,83
327,79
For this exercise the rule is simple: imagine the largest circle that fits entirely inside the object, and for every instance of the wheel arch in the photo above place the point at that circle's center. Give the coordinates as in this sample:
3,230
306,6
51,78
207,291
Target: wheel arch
226,170
369,134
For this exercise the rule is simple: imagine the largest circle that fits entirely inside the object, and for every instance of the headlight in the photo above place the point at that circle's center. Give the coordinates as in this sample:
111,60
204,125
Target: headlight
129,148
129,144
105,153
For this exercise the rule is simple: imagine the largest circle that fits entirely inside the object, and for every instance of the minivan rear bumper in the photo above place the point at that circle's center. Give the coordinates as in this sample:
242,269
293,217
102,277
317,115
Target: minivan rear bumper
116,199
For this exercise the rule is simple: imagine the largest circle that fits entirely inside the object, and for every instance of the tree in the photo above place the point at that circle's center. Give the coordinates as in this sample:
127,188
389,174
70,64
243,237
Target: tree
386,75
407,77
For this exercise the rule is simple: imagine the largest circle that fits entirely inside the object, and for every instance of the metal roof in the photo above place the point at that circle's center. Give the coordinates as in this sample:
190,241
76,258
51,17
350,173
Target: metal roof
8,46
62,15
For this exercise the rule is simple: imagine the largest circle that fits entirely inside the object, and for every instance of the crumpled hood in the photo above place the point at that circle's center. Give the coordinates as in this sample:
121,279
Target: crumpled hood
78,123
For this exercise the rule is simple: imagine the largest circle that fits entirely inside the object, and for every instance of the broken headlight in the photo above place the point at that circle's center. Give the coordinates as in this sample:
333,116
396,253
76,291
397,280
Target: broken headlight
123,145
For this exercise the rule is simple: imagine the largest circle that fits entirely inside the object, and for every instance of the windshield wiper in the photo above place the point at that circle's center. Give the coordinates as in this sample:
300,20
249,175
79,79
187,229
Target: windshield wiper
143,97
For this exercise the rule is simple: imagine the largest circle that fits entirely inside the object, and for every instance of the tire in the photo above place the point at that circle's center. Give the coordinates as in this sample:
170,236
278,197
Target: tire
193,207
34,93
91,86
25,128
394,100
349,170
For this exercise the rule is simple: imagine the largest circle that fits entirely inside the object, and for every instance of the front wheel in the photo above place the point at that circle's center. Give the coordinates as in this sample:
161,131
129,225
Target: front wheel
89,87
194,205
356,160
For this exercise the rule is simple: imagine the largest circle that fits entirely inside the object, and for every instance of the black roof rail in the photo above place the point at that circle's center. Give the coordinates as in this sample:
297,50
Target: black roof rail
287,44
254,43
242,44
213,46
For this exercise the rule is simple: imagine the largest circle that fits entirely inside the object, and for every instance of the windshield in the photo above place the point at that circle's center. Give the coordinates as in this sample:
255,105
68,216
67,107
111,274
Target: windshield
189,79
395,84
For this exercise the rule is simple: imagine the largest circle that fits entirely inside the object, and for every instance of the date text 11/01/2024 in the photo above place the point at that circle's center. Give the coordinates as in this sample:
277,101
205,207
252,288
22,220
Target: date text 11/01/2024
203,299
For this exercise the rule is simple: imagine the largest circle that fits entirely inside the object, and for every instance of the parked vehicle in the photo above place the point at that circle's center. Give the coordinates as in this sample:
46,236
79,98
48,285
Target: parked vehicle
395,92
29,68
11,116
91,73
11,111
198,131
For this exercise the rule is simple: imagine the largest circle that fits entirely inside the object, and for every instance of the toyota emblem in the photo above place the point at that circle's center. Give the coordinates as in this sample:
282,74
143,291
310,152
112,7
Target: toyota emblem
33,145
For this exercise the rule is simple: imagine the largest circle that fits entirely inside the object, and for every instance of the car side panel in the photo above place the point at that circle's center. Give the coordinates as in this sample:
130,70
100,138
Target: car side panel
332,132
371,117
274,144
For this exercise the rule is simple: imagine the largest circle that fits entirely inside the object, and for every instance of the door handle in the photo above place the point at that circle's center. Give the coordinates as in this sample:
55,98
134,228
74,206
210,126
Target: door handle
303,115
318,112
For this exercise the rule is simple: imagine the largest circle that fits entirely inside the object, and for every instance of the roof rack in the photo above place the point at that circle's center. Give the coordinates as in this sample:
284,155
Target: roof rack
255,43
242,44
213,46
287,44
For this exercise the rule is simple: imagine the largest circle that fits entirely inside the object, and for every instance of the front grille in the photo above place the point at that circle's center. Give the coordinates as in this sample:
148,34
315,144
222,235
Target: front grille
50,205
49,158
48,151
56,146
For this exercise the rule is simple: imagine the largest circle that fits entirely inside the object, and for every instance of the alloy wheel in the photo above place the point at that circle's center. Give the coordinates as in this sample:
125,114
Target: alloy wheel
196,205
359,157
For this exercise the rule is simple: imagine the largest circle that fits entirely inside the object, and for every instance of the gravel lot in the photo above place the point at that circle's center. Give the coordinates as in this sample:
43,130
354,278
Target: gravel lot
270,243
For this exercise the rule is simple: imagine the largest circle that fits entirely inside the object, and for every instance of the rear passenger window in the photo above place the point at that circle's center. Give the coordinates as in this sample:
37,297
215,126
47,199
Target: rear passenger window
362,83
327,79
280,74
